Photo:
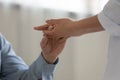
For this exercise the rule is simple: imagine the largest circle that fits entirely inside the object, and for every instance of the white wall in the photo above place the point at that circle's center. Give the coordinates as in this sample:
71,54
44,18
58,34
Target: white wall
84,58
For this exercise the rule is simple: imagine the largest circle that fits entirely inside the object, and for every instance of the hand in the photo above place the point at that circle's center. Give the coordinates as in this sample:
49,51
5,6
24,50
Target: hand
61,27
67,28
52,47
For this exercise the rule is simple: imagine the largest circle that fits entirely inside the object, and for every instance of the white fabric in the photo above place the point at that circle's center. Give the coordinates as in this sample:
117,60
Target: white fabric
110,20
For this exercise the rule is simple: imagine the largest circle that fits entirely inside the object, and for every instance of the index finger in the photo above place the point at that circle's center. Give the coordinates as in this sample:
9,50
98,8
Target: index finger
42,27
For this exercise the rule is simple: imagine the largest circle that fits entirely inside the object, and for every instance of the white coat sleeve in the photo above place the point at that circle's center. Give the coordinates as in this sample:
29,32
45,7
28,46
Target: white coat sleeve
110,17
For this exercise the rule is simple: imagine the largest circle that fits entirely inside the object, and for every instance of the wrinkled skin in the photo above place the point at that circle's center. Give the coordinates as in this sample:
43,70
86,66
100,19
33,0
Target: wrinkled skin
52,47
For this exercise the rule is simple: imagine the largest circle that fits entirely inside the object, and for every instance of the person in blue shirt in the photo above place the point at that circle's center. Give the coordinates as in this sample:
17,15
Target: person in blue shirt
12,67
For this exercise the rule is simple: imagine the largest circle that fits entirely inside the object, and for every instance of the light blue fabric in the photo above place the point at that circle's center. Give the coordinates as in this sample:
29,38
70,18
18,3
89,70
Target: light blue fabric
13,67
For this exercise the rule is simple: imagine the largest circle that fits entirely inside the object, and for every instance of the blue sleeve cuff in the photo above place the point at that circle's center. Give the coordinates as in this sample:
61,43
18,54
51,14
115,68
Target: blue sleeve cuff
46,65
42,69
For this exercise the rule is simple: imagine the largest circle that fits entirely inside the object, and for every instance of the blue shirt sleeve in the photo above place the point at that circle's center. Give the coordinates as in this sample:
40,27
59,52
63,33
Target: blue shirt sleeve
14,68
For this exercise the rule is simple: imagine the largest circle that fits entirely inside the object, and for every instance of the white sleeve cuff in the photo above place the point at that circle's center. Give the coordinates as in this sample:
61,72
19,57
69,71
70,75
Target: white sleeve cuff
110,17
108,25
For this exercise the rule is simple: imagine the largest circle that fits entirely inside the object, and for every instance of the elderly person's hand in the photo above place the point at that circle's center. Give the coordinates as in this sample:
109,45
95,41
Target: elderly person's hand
52,47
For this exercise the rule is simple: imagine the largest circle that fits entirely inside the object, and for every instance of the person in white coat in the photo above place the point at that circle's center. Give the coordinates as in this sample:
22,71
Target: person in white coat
108,19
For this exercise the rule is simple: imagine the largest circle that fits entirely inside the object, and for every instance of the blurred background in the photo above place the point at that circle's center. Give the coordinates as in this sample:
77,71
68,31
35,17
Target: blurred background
84,57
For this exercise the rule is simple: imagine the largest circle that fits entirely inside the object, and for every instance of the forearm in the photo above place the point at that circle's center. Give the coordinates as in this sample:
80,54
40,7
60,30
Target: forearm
88,25
39,70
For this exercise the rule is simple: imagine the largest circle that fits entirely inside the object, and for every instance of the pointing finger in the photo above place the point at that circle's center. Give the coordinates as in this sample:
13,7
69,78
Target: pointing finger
42,27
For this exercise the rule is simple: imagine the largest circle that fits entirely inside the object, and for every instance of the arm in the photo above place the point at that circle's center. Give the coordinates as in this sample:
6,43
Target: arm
14,68
87,25
68,27
51,49
108,19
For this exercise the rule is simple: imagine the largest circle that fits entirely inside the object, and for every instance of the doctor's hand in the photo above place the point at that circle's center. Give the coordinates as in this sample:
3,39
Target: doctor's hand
66,27
52,47
60,27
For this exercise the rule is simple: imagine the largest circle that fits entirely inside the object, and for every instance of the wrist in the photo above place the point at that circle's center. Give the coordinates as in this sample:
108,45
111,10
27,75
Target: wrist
76,29
50,59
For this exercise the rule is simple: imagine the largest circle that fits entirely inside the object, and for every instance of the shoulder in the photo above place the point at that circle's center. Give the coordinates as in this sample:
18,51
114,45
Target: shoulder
1,37
0,40
3,40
